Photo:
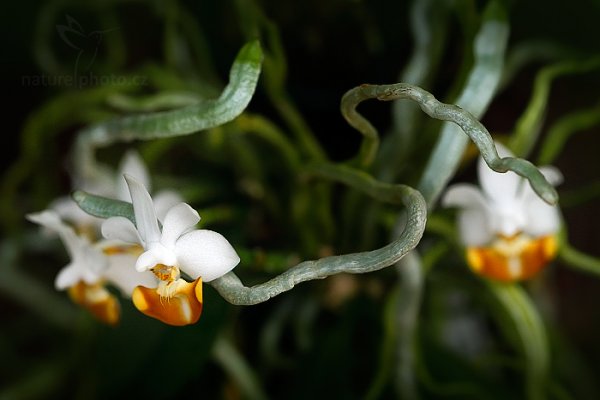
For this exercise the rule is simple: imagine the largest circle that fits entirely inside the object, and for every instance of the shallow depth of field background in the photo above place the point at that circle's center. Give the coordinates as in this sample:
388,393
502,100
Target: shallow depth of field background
326,349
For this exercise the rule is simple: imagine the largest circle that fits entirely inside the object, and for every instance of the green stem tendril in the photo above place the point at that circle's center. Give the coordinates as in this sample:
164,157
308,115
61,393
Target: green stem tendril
563,129
466,121
243,79
528,126
232,289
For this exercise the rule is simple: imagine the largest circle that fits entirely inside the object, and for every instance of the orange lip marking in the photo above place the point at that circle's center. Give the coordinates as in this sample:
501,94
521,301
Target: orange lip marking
512,259
97,300
182,308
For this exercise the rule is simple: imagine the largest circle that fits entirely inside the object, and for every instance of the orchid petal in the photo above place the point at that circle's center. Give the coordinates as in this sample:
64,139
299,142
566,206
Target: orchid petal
498,187
204,253
473,227
164,200
98,301
157,254
179,219
121,273
120,228
552,175
87,263
145,216
542,219
67,277
91,272
463,195
506,220
51,220
473,223
132,165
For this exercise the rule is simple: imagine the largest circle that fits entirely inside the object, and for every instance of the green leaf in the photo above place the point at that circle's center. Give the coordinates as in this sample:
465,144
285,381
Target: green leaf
103,207
192,118
489,48
523,324
189,119
564,128
529,124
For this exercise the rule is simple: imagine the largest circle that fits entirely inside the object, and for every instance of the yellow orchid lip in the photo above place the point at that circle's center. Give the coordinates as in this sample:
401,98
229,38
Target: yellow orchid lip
512,259
182,306
97,300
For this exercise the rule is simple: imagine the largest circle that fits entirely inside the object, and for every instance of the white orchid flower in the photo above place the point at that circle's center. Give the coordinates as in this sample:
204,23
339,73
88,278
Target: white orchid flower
509,232
93,265
201,254
113,186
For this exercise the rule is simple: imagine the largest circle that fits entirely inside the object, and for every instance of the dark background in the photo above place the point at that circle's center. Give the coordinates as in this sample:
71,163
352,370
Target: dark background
335,45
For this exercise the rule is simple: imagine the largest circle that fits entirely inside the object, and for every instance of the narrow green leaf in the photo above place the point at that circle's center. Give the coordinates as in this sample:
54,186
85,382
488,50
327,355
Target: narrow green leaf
529,124
489,47
522,322
207,114
103,207
564,128
193,118
428,25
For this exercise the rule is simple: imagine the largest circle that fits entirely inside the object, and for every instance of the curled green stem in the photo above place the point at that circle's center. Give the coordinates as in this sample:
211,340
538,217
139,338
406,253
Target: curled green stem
235,97
466,121
233,290
370,144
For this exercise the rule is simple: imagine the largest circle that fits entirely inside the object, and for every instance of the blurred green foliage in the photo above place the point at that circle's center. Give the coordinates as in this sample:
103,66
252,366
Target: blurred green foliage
445,334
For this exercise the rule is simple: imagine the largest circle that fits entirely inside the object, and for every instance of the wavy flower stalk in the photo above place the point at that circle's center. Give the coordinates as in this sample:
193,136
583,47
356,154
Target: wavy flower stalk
243,79
233,290
446,112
